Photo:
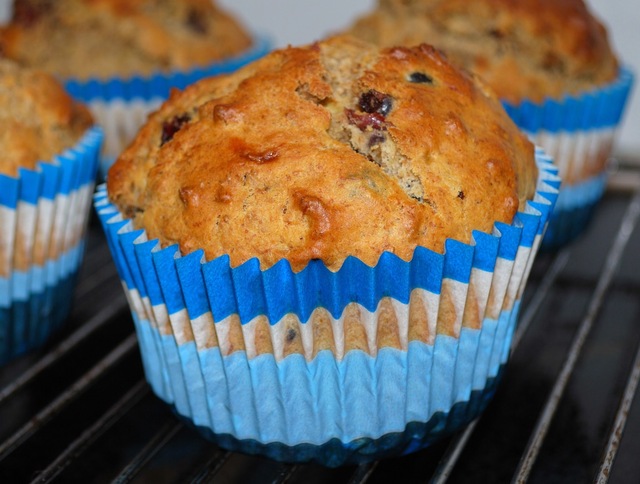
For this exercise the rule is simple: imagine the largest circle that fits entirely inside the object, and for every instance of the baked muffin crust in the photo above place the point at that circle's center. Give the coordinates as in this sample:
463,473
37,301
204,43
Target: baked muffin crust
325,151
106,38
38,119
524,49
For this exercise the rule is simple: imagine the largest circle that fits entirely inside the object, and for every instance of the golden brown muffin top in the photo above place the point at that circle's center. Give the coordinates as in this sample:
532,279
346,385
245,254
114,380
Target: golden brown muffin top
106,38
524,49
38,119
326,151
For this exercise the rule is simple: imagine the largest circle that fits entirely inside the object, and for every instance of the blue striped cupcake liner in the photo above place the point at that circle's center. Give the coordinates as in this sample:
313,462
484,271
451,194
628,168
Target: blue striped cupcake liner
578,132
201,327
43,215
121,105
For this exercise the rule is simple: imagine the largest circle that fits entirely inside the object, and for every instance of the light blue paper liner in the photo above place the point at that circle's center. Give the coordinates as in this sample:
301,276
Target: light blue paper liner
333,408
43,214
334,453
578,133
121,105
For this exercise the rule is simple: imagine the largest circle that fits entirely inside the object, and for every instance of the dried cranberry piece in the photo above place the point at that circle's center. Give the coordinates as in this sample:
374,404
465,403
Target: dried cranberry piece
420,78
376,138
291,335
172,126
374,101
197,22
363,121
28,13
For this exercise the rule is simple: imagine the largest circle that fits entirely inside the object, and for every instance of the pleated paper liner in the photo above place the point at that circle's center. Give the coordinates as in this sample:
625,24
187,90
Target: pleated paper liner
43,215
336,367
578,132
121,105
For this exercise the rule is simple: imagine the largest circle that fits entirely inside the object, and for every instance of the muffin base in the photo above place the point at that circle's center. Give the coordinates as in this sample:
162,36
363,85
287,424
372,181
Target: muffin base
202,327
458,374
335,453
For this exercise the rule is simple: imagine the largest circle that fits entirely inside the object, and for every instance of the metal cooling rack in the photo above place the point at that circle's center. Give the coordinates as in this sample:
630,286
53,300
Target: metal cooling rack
79,410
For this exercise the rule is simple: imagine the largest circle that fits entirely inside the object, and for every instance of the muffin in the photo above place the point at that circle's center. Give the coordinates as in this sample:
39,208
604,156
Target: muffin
122,57
324,251
50,157
550,63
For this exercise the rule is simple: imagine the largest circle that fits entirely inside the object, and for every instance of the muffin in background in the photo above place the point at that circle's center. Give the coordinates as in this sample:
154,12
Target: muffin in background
122,57
85,39
286,236
47,171
552,65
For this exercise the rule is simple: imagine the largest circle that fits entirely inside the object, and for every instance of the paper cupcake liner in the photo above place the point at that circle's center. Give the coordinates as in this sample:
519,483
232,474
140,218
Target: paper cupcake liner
335,367
121,105
574,211
334,453
578,132
43,215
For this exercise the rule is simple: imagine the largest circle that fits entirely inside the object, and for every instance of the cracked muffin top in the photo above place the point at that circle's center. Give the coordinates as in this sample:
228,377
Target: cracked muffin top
324,151
106,38
38,119
524,49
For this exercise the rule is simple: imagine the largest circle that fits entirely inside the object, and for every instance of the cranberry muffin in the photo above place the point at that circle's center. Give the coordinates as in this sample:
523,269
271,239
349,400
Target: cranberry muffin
38,119
50,157
84,39
334,240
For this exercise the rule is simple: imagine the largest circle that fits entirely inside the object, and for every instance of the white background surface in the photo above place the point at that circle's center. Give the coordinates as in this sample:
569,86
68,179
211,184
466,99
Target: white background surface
302,21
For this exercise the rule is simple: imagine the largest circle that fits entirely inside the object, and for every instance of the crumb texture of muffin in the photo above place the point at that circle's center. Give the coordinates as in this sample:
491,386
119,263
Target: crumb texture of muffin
524,49
38,119
325,151
104,38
